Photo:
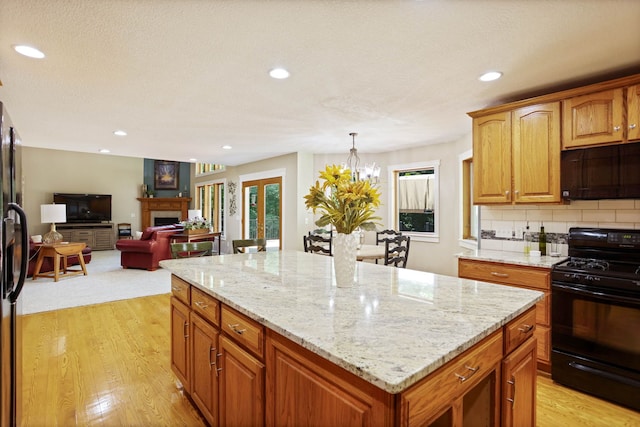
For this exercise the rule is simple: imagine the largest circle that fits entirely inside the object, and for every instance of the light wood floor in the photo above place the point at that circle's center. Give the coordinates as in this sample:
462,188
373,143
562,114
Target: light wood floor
109,364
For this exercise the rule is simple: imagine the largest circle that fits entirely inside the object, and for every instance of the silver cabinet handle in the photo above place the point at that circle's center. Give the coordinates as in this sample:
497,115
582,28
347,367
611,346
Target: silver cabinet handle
525,328
176,288
463,378
235,329
186,330
506,192
201,304
496,274
632,126
218,369
210,362
512,400
616,128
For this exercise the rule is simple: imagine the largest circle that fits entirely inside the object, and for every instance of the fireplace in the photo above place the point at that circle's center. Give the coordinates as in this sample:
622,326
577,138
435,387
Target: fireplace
162,207
165,220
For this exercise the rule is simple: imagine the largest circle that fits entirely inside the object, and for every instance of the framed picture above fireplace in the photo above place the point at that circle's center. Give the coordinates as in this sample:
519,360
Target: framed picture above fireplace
165,175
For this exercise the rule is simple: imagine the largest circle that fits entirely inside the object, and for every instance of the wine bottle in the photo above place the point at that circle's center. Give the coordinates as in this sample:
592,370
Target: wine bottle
542,241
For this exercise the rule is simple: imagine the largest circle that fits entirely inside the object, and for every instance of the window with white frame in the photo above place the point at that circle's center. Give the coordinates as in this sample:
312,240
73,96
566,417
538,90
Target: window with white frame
210,200
415,199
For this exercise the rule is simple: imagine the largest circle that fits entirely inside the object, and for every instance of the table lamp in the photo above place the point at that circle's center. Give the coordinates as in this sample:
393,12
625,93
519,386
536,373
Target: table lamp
194,213
53,213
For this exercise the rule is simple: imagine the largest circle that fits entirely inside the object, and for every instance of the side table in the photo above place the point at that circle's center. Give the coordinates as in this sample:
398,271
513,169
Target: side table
60,251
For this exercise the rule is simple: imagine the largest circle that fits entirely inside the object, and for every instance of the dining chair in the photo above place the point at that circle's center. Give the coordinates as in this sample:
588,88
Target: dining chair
242,246
396,251
383,236
191,249
318,244
124,231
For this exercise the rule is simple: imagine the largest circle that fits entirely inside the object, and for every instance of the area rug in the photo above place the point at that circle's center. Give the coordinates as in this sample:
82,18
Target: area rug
106,281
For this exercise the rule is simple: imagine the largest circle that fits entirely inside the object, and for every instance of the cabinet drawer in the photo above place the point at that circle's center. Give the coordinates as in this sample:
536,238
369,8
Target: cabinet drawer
420,402
206,306
519,330
243,330
543,335
181,289
531,277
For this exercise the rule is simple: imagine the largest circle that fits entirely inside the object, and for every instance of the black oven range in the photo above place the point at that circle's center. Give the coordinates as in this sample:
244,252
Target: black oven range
596,315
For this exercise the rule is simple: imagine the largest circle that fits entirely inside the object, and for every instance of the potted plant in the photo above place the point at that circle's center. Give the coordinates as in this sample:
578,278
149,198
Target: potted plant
347,205
196,226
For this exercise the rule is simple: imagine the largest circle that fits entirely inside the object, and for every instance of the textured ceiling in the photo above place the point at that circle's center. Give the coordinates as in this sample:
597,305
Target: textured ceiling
184,77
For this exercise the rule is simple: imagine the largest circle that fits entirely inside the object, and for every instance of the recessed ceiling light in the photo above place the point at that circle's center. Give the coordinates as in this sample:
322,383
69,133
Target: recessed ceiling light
490,76
104,150
29,51
279,73
120,133
226,147
193,160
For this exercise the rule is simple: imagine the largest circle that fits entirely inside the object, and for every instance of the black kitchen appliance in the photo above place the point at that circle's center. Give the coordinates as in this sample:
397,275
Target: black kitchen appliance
13,269
607,172
596,315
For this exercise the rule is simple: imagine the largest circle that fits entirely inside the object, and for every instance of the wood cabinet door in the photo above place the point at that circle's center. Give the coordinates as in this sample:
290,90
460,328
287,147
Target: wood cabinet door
536,153
519,386
593,119
633,108
204,374
180,342
492,159
241,386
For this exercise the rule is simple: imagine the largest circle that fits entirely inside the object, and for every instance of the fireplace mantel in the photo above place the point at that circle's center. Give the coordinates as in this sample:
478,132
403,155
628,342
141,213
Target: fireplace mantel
150,204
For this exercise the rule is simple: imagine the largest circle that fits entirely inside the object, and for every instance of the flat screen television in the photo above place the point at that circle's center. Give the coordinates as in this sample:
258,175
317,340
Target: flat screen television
85,207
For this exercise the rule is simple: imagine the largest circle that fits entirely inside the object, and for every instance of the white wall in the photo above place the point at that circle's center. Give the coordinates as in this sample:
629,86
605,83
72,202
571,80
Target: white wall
56,171
434,257
289,164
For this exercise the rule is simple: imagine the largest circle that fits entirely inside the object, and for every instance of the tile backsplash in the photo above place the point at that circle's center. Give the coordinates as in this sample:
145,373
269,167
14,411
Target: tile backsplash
502,227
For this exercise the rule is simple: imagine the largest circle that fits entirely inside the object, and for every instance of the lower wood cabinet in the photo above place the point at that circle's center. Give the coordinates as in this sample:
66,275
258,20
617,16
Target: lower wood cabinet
304,389
241,386
243,374
180,342
536,278
519,386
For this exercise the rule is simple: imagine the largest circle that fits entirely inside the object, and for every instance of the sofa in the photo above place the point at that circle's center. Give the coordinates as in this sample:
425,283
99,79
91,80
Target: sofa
152,247
47,263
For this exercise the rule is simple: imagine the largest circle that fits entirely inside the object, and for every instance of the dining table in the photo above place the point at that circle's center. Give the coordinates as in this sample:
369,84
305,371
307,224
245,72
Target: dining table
370,252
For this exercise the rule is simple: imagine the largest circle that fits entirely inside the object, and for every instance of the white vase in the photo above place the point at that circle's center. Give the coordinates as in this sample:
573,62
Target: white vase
344,258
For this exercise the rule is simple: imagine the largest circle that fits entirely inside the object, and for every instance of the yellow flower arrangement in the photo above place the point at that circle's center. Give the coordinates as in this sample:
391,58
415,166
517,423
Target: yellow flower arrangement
344,203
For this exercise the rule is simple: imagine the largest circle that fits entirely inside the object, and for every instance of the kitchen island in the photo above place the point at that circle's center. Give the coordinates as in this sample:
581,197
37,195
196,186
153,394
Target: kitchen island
267,338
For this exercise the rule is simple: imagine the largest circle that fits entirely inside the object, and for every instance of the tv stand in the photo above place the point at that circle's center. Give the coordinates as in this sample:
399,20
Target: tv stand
99,236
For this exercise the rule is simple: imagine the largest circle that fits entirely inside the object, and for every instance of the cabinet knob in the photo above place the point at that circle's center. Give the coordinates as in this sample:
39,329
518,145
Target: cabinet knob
632,126
506,192
616,128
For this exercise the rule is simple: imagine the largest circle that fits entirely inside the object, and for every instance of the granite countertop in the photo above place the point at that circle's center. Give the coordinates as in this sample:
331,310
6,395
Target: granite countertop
510,257
392,328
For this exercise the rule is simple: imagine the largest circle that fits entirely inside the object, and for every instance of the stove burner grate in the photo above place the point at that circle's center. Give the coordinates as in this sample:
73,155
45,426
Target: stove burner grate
587,263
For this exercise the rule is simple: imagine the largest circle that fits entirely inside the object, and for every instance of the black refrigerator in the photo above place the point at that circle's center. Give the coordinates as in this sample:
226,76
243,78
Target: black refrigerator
14,252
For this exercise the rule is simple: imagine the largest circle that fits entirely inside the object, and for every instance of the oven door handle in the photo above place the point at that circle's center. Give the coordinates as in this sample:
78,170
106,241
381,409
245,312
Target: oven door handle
616,298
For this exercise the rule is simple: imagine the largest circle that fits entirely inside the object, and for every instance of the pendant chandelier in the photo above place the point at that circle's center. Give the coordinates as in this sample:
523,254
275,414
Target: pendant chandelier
370,172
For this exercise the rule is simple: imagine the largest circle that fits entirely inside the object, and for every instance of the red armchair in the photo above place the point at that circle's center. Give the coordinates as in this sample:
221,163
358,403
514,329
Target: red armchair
47,263
153,247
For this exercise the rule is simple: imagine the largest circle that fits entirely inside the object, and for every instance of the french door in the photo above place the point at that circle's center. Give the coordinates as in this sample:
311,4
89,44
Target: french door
262,210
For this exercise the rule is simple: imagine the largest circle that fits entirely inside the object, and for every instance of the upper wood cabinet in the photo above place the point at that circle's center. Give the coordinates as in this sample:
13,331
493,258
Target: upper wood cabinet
492,159
593,119
633,110
516,156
